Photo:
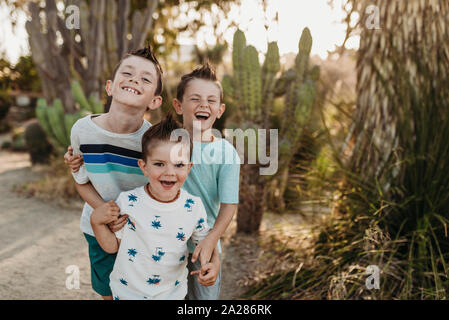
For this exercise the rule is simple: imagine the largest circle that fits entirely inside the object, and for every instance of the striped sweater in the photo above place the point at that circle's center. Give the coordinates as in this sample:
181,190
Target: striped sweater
110,161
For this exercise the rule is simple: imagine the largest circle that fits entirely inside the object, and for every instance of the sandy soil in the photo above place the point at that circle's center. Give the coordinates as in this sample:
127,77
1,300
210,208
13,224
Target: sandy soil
39,240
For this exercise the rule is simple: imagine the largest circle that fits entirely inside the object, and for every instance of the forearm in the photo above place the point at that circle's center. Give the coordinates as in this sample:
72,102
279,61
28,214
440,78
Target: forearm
106,238
224,218
88,193
215,256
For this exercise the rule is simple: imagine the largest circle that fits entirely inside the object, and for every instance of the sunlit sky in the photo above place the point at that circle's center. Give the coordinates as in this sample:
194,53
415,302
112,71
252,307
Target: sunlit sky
323,22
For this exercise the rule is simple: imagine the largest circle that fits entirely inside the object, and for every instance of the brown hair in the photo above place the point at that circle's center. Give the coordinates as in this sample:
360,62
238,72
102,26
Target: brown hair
161,132
205,72
145,53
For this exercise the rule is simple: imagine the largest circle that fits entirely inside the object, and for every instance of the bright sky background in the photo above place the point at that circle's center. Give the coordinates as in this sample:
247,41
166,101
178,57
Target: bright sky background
294,15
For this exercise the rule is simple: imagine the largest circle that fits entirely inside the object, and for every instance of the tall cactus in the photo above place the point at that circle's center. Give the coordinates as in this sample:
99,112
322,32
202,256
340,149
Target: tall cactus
253,88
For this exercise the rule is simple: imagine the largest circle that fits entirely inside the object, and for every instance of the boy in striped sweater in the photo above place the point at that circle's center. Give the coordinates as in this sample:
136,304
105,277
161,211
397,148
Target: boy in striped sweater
110,145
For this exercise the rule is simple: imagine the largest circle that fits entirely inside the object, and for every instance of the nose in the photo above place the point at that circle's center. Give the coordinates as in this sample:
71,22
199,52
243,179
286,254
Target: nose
204,103
134,80
169,170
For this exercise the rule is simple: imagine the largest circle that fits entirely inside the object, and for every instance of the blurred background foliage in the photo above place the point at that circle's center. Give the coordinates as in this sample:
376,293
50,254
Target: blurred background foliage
364,163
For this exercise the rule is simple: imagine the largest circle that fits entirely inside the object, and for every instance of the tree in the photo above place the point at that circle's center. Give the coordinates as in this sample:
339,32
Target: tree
107,30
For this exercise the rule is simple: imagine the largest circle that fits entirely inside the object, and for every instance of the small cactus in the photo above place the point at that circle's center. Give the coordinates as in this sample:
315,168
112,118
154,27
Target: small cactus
57,124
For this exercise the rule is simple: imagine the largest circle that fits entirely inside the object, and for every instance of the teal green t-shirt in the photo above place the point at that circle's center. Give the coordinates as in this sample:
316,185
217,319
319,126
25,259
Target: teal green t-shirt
214,177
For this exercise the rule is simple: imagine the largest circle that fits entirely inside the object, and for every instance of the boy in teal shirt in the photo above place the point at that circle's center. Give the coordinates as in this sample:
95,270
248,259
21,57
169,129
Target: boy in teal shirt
214,176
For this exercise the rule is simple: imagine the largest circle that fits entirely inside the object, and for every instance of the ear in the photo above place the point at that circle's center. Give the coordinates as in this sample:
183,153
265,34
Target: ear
221,110
108,87
177,106
142,166
155,103
189,167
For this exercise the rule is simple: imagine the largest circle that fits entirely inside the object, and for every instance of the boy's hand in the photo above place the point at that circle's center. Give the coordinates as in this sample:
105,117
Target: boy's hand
204,250
117,225
208,274
106,213
74,162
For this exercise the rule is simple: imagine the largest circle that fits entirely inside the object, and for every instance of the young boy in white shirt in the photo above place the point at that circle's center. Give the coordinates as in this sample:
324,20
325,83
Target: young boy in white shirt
152,250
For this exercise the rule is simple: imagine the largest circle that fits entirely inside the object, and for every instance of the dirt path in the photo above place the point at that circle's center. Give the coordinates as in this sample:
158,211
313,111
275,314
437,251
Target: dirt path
39,240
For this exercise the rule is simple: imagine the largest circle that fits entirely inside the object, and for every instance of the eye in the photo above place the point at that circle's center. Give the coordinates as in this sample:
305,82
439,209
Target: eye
158,164
146,80
126,73
180,165
195,99
211,101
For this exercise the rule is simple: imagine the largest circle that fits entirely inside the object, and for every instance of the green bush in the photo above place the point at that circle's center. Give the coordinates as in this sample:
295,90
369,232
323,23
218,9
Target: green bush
36,143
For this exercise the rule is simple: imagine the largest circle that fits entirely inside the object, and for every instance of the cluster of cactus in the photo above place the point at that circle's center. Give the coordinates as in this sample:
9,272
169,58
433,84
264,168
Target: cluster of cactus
57,124
253,89
251,84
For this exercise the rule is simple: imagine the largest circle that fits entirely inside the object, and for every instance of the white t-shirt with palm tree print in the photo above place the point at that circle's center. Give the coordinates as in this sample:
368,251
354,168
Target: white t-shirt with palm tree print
152,259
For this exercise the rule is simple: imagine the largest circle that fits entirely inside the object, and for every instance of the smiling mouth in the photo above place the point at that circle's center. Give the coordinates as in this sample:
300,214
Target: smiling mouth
167,184
132,90
202,116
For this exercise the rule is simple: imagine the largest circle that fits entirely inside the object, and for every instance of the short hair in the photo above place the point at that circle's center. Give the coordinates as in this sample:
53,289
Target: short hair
145,53
205,72
161,132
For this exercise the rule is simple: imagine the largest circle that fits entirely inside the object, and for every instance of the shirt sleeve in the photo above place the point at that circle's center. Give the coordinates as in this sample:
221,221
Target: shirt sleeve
119,201
228,180
201,228
80,176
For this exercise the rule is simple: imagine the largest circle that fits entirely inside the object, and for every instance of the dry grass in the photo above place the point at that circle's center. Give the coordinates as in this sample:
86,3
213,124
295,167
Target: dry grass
57,185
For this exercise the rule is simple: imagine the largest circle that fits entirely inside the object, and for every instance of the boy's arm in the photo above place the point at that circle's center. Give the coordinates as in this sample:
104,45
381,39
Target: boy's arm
89,194
108,213
206,247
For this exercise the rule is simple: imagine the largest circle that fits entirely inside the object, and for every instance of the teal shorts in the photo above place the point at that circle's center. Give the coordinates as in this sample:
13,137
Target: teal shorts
101,264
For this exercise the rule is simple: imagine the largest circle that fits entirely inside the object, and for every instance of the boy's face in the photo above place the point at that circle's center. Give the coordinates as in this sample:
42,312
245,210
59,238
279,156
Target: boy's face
135,83
166,169
200,104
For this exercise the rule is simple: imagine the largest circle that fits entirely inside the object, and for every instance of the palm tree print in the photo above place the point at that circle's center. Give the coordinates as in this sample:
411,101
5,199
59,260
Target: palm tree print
176,283
181,235
132,225
124,282
116,298
132,198
199,224
182,258
156,223
158,254
154,280
132,254
188,204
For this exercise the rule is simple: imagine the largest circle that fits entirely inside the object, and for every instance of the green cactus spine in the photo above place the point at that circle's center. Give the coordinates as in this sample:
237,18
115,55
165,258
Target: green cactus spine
56,120
252,87
79,96
239,78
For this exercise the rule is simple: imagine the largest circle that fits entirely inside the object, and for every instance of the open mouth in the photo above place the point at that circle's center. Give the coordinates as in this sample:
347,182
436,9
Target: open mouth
202,115
167,184
132,90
